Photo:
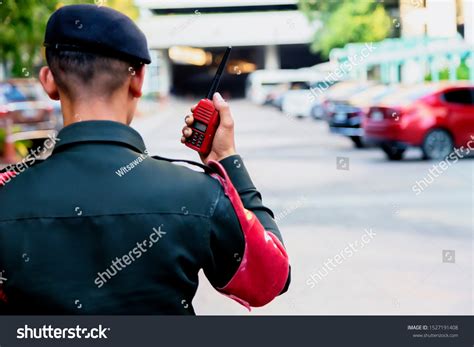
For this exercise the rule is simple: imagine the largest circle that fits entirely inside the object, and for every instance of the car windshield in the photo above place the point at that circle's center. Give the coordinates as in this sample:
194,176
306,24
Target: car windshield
11,93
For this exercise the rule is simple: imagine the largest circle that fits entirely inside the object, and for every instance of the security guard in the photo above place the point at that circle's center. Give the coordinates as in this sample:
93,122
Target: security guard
102,228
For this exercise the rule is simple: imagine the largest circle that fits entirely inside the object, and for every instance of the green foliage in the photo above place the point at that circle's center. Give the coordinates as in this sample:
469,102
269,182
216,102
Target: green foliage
124,6
21,147
22,25
462,73
345,22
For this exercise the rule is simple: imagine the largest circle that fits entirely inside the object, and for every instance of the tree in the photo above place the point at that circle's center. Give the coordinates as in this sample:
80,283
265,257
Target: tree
124,6
22,26
345,22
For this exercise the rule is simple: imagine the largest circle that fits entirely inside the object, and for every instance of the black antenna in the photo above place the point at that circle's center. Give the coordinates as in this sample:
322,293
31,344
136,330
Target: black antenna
217,77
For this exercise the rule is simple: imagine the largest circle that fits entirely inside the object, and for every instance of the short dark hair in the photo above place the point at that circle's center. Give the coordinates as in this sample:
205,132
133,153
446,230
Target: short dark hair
83,73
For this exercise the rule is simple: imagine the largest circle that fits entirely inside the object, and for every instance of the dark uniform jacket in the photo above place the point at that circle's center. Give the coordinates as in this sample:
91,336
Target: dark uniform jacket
101,228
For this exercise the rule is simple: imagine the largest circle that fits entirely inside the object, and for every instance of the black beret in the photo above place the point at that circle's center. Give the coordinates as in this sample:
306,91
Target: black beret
96,29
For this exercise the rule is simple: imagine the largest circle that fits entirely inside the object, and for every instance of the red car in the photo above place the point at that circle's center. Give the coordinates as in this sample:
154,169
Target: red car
435,117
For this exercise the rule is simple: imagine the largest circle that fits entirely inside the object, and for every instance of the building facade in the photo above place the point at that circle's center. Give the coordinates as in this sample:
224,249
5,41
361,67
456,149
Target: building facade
187,38
448,19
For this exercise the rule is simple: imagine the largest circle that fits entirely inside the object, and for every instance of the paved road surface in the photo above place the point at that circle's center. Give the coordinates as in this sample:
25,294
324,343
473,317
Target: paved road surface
324,213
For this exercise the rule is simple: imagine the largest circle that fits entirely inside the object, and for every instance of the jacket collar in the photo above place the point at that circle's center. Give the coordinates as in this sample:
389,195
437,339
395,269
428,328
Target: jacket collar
100,131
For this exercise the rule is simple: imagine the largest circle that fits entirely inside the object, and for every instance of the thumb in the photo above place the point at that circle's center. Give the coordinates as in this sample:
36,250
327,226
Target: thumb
224,111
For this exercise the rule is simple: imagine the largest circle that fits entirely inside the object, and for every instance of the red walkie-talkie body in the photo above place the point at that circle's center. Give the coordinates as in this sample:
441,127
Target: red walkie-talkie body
206,117
206,121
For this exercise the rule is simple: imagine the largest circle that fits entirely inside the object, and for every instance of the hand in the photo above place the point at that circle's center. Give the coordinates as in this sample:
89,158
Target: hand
223,145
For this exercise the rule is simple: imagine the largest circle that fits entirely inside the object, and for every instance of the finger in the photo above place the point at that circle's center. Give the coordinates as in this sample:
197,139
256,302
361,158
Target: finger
224,111
193,107
189,119
183,139
187,131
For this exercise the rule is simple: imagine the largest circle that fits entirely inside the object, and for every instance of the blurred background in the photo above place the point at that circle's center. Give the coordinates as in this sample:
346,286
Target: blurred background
354,118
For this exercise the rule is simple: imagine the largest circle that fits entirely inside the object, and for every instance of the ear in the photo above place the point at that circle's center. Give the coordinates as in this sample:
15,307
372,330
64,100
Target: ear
136,82
46,79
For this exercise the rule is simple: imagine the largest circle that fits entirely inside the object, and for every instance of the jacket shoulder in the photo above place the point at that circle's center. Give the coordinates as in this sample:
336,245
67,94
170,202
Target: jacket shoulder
186,183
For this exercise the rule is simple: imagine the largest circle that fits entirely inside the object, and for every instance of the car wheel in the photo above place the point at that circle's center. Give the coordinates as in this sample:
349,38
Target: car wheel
393,152
357,141
438,144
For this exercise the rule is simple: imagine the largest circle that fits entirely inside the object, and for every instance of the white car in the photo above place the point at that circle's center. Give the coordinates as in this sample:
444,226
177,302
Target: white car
297,103
261,83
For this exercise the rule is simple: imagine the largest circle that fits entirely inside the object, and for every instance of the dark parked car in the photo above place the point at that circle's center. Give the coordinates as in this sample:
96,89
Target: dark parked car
342,116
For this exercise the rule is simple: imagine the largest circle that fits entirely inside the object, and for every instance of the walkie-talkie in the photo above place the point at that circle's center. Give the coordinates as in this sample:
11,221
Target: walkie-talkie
206,117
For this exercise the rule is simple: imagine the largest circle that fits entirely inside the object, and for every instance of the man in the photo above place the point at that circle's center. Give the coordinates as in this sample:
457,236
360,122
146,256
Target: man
101,228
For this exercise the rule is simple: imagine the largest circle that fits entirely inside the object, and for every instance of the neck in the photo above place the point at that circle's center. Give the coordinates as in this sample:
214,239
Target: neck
115,109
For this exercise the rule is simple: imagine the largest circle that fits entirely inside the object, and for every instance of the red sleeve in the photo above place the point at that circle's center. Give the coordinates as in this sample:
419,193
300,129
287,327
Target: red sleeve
3,297
264,269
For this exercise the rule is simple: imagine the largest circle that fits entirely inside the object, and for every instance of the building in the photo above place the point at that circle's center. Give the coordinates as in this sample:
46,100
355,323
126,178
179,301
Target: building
436,19
187,38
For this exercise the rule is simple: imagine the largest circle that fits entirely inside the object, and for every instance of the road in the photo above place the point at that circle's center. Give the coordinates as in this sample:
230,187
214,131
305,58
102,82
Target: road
416,255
